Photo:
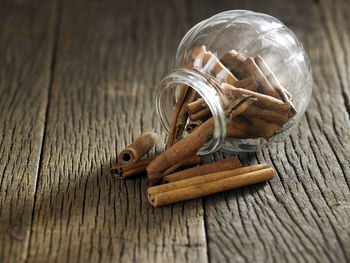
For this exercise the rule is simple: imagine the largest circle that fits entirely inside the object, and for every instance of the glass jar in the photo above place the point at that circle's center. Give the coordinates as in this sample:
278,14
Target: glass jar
222,53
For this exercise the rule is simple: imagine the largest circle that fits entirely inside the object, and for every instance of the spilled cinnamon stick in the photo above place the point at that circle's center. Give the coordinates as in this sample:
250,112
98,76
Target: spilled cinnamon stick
183,149
194,160
137,168
138,148
205,185
223,165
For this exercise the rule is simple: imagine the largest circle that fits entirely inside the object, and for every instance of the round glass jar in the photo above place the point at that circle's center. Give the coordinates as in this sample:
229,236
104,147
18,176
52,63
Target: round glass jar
220,55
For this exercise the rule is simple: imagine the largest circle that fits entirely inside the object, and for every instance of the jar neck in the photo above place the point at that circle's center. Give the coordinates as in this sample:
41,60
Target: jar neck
167,94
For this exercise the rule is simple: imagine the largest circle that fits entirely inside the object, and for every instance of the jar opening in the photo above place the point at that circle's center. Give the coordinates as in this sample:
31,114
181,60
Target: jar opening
167,95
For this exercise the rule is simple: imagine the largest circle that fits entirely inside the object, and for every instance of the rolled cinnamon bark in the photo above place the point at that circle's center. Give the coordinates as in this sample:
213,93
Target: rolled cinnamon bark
183,149
274,81
196,106
139,167
263,101
223,165
192,125
178,107
252,68
239,128
200,114
206,61
194,141
138,148
246,67
250,80
235,62
229,181
263,129
194,160
183,115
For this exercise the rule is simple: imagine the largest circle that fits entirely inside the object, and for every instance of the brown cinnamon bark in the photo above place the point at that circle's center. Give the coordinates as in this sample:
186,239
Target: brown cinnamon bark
263,129
263,101
196,106
247,67
183,115
223,165
206,61
239,128
194,160
205,185
138,148
274,81
252,68
194,141
178,107
137,168
234,62
192,125
199,108
200,114
185,148
250,80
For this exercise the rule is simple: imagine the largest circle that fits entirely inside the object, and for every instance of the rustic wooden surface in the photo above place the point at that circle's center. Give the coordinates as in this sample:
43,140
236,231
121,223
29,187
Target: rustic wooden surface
77,83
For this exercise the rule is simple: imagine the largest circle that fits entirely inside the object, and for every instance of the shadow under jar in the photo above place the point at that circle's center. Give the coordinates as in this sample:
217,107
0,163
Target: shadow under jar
244,71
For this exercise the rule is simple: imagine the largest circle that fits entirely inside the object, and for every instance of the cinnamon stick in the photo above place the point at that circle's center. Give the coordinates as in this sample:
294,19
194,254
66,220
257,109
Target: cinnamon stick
194,141
178,107
274,81
196,106
239,128
263,101
138,148
194,160
193,124
246,67
235,62
183,149
263,129
223,165
200,114
250,80
205,185
206,61
124,171
183,114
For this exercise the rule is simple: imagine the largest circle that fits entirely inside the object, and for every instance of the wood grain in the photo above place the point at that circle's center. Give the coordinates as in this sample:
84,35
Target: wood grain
26,47
335,18
303,214
77,84
110,56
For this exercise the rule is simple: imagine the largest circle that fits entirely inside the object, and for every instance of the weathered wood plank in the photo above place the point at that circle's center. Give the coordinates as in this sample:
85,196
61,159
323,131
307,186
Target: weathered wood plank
303,214
26,47
335,17
110,56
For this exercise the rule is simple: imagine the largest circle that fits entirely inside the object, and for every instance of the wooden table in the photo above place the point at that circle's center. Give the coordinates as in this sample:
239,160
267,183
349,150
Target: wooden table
77,84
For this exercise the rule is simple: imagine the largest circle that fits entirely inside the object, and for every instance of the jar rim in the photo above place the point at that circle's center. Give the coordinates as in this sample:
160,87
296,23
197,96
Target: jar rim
204,84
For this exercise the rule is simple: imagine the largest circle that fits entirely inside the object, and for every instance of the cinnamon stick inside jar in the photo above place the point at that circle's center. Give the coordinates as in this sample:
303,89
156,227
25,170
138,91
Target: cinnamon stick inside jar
200,186
138,148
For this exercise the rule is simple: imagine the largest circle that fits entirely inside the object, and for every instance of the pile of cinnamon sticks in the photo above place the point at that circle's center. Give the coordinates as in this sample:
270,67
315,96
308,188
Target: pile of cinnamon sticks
188,183
255,106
